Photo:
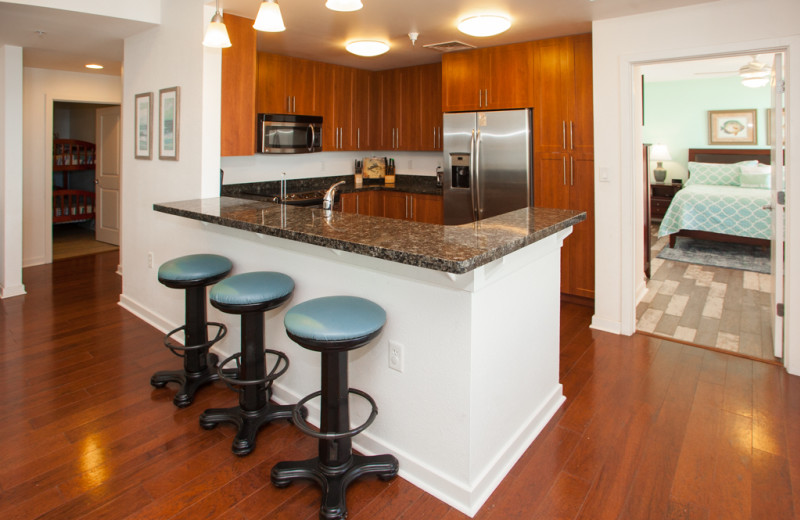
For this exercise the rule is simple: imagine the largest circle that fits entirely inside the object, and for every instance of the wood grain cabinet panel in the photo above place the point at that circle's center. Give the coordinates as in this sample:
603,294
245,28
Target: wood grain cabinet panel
564,149
285,85
395,205
238,100
427,208
430,107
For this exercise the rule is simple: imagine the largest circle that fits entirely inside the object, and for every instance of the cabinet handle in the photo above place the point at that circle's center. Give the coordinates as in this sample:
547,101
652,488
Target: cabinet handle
571,171
411,206
480,99
563,135
571,130
358,211
294,105
288,103
564,168
358,138
486,97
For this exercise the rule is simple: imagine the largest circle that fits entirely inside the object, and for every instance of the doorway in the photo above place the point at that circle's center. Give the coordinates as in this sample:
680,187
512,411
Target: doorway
78,160
705,293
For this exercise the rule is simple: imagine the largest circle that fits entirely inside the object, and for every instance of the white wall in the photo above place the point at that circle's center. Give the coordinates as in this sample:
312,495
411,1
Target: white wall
43,87
140,10
10,171
260,167
715,28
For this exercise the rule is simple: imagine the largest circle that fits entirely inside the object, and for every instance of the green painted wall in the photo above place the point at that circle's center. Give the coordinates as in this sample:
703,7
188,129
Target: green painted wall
676,114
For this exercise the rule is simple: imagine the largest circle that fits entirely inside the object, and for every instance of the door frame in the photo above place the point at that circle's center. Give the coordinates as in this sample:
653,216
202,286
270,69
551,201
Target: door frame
631,214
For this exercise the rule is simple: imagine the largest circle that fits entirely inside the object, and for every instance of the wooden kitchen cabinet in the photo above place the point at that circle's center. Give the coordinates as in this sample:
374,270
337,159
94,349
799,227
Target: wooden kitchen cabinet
492,78
363,103
413,206
285,85
430,107
564,149
238,100
368,203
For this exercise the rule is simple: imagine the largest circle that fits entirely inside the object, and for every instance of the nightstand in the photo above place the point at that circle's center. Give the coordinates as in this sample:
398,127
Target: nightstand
661,195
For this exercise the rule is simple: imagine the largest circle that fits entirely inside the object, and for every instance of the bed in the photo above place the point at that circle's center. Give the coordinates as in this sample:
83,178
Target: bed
722,210
72,206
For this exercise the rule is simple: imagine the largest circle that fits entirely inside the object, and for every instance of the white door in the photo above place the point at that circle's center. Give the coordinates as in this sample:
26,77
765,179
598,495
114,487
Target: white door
107,175
778,208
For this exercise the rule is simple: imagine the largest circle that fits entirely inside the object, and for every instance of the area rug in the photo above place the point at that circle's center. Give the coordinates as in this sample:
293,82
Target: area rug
718,254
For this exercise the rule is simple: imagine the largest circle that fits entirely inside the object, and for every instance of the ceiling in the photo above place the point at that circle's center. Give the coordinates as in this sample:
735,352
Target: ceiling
65,40
700,69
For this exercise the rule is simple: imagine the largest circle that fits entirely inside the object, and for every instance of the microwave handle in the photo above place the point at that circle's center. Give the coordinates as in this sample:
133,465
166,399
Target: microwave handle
310,137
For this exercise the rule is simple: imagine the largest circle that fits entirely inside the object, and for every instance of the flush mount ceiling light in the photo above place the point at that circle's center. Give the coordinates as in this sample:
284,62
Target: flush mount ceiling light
484,25
93,66
367,47
216,33
755,74
344,5
269,17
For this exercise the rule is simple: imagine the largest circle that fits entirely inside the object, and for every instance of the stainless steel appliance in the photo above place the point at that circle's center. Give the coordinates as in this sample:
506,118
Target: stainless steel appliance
487,164
289,133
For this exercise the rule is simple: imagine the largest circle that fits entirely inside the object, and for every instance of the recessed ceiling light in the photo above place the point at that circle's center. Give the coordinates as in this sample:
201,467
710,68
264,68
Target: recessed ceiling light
367,47
484,25
344,5
93,66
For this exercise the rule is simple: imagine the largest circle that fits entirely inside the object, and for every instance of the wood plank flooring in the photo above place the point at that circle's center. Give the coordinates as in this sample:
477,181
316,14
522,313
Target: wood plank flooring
70,240
651,429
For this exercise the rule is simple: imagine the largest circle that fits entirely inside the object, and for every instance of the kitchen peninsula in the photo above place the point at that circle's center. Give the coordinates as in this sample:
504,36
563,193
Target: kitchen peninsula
474,310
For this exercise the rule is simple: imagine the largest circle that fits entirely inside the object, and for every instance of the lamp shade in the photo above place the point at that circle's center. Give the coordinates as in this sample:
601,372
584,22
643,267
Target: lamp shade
344,5
216,33
659,152
269,17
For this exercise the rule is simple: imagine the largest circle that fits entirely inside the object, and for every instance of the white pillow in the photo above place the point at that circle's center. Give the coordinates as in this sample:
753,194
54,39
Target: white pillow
716,174
756,176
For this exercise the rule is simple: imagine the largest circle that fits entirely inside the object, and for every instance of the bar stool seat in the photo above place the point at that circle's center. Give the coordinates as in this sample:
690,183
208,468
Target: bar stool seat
333,326
193,273
250,294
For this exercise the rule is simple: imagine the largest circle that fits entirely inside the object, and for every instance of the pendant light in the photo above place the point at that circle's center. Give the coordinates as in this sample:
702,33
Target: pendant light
216,33
344,5
484,25
269,17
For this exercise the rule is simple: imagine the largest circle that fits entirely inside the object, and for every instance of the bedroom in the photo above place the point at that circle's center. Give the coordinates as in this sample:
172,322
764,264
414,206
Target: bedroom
727,305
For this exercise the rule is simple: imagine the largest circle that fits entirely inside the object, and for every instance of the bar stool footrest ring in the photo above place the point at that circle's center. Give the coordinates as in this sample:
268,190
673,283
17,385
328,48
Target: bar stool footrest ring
230,376
180,350
301,423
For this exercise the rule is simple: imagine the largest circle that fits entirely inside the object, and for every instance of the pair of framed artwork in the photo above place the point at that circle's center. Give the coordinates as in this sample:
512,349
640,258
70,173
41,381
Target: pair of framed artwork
168,128
736,127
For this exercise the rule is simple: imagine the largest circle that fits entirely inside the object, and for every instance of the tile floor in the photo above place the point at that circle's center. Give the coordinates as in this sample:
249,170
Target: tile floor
710,306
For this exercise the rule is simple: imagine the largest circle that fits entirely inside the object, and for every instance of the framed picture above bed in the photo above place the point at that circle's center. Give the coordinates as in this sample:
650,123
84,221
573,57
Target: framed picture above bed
732,127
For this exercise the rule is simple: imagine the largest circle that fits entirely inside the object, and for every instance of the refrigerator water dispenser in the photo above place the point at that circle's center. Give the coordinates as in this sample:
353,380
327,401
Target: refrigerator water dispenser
460,170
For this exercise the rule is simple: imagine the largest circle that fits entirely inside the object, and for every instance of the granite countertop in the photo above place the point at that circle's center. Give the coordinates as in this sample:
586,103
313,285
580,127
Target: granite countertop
423,184
452,249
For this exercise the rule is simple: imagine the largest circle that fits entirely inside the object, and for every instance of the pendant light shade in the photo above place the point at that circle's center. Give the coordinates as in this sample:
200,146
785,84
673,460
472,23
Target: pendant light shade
367,47
269,17
344,5
216,33
484,25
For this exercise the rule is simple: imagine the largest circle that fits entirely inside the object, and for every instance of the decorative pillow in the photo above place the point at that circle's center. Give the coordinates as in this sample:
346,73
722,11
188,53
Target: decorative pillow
716,174
756,176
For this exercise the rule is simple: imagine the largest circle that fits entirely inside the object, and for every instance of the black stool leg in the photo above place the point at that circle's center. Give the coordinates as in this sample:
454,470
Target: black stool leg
254,410
336,466
199,367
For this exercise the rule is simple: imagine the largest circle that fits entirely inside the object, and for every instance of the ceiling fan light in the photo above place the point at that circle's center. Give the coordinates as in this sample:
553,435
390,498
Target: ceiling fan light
216,33
344,5
484,25
269,17
755,82
367,48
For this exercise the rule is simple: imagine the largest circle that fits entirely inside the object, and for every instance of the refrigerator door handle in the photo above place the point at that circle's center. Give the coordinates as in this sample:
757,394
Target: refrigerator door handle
472,168
478,205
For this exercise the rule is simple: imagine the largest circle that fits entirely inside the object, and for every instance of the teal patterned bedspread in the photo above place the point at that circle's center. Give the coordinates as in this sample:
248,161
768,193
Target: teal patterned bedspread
730,210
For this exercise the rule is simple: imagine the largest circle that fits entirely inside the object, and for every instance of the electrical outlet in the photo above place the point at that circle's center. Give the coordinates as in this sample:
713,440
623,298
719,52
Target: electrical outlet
150,260
395,356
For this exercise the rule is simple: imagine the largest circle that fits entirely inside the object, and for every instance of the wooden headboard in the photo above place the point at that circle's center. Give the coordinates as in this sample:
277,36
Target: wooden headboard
729,155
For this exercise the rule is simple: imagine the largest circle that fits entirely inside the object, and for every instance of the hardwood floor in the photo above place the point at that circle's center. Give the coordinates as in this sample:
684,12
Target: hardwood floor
651,429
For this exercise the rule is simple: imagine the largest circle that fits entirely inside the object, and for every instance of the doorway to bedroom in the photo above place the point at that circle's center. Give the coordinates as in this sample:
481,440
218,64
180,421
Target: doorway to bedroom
707,290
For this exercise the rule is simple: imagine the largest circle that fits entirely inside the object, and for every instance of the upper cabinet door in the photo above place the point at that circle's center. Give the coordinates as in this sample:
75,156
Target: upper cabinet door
430,107
553,84
363,102
271,93
581,119
301,86
510,77
463,80
238,102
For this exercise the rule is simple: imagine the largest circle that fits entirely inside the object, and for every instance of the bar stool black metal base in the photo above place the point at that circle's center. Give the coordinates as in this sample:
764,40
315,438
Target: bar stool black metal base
334,480
189,382
248,423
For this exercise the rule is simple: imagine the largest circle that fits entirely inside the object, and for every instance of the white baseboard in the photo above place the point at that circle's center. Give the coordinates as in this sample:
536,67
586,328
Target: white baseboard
10,292
145,314
613,327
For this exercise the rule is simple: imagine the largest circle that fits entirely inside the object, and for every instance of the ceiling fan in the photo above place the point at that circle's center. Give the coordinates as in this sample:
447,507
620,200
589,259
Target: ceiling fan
754,74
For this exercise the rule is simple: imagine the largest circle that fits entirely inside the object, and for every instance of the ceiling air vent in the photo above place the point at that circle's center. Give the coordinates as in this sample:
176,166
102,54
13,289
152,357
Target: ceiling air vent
449,46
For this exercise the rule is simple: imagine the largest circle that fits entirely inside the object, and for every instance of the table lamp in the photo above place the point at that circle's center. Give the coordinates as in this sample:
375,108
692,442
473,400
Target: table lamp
659,153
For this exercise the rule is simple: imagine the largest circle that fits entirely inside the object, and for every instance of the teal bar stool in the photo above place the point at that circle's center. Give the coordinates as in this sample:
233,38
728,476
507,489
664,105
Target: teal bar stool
193,273
333,326
250,294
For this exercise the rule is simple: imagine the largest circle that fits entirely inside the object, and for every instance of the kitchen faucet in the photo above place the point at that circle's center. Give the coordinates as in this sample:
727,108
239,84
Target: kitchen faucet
330,195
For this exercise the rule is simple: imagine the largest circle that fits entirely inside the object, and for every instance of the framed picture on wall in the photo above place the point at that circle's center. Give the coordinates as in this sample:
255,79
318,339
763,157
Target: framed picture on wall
168,123
144,126
732,127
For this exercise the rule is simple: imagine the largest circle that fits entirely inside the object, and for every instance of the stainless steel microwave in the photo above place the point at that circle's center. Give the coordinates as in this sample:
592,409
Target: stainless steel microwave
289,133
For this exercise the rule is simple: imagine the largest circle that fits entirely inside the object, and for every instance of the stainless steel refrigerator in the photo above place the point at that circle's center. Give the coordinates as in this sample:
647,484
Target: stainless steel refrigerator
487,164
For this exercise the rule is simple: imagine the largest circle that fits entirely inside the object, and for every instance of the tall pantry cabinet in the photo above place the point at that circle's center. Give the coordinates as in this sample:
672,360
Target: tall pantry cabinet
564,149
